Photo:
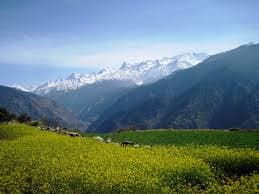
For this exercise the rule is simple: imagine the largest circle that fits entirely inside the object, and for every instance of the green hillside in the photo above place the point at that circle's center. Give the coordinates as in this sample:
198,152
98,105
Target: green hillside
38,108
35,161
220,92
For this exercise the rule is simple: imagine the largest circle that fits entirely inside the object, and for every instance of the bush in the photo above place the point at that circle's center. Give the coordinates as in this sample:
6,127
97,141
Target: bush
23,118
34,123
5,116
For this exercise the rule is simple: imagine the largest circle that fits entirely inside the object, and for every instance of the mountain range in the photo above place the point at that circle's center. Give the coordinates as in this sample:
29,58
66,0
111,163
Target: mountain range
220,92
89,95
140,73
90,101
188,91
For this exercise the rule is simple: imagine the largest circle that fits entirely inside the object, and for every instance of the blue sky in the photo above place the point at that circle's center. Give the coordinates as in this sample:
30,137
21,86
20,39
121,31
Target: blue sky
53,38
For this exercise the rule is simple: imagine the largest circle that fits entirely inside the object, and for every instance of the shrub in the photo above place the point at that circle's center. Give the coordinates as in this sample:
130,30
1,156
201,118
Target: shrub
34,123
24,117
5,116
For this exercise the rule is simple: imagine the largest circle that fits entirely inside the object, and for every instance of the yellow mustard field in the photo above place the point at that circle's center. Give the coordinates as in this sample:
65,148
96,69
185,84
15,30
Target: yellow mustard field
35,161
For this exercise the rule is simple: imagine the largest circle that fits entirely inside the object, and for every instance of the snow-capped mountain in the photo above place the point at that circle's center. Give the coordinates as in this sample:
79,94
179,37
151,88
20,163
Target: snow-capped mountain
141,73
24,88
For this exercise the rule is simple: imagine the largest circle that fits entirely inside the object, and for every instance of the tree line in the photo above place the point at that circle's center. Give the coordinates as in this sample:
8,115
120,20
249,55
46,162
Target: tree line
5,116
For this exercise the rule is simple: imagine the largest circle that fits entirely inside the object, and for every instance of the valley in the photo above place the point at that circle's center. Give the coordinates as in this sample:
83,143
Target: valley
129,97
199,92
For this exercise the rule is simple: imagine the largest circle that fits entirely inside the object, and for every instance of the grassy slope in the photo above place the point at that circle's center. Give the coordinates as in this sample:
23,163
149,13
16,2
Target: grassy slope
37,161
182,138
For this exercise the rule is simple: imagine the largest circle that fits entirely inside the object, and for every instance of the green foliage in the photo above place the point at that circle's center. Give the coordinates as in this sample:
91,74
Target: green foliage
35,161
23,118
5,116
186,137
34,123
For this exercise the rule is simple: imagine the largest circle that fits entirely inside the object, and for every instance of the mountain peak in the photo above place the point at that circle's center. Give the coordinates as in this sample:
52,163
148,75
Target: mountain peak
140,73
248,44
24,88
189,55
106,69
73,76
125,65
221,92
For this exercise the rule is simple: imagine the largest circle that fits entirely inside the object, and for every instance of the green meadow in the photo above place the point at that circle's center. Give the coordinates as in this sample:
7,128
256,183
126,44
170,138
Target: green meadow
187,137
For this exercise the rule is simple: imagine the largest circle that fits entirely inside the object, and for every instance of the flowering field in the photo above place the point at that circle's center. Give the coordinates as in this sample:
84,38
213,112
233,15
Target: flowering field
35,161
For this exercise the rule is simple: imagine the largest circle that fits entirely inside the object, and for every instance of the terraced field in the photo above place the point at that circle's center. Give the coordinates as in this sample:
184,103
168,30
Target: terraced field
35,161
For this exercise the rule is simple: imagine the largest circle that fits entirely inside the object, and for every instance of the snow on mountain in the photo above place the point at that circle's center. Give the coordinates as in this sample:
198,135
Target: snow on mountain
24,88
141,73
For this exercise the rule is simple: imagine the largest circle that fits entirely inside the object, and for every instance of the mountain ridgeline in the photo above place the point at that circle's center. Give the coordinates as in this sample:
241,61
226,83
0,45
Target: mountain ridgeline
220,92
37,107
89,95
90,101
140,73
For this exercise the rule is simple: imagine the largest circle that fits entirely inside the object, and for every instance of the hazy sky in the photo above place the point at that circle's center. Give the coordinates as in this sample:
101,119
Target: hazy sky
55,37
